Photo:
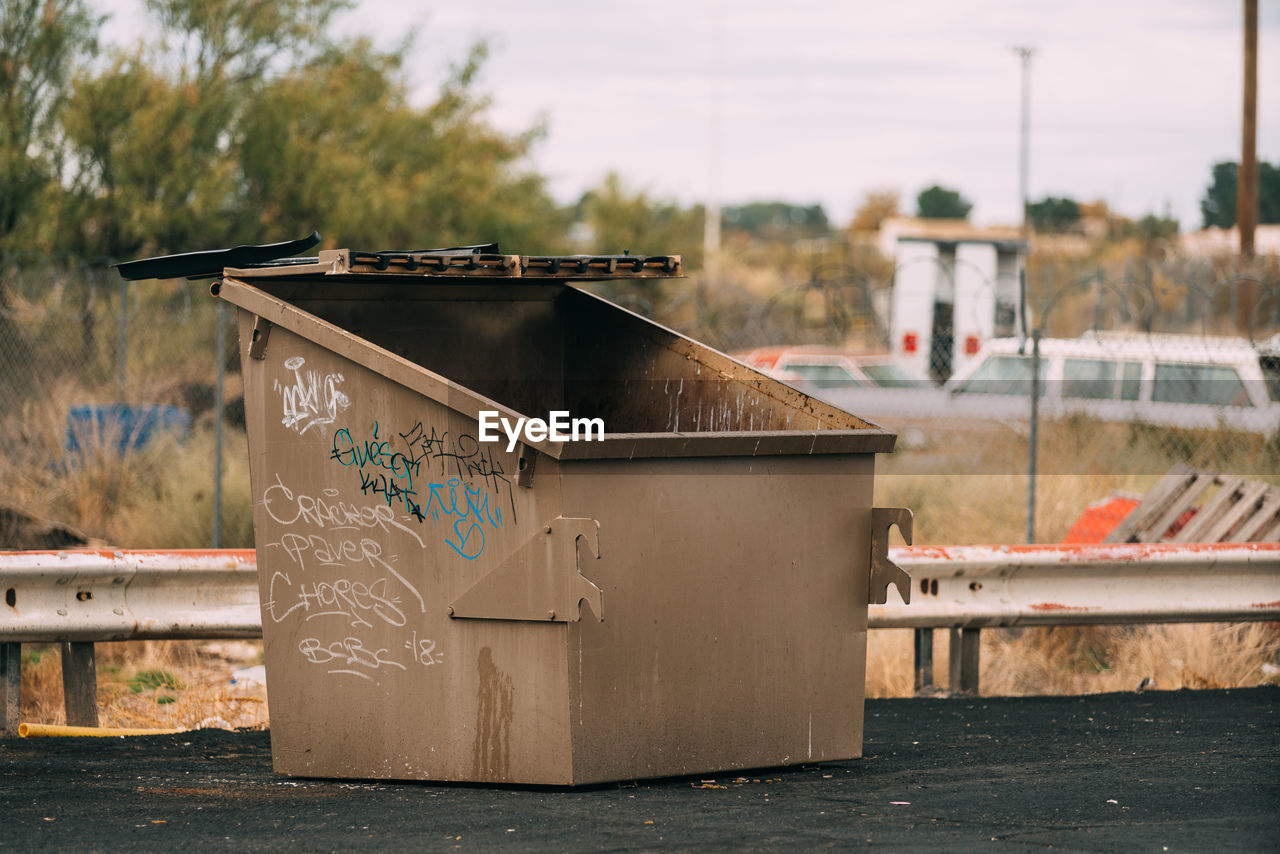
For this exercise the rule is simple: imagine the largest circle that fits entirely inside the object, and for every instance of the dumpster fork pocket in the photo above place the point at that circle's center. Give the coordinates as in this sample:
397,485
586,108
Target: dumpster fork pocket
884,571
541,581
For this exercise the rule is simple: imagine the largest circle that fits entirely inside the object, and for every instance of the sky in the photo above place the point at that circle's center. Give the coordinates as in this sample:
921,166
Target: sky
823,101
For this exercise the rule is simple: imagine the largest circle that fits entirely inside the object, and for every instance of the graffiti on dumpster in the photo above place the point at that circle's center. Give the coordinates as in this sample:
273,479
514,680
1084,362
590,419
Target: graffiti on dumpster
338,577
464,456
297,508
287,507
332,552
398,468
351,657
356,601
337,582
350,652
312,400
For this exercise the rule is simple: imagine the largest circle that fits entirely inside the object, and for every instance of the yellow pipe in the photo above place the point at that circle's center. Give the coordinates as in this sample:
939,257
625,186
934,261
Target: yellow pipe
45,730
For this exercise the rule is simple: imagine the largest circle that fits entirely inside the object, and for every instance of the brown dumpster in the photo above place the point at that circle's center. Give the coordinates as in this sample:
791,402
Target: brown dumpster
685,594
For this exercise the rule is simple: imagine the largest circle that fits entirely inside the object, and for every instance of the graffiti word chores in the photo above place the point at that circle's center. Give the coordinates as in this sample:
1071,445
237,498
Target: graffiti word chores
356,602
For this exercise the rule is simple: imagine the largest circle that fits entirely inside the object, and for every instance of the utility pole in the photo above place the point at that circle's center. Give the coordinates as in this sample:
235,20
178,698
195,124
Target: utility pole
711,215
1024,55
1247,176
1247,188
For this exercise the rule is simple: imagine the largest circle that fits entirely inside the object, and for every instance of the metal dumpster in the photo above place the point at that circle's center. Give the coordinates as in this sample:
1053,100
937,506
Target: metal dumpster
687,594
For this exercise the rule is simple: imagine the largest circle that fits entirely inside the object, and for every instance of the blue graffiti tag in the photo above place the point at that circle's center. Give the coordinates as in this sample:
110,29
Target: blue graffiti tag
390,473
473,514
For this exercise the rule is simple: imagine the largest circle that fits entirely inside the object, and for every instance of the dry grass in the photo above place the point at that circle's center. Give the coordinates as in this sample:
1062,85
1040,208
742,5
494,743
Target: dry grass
1064,660
1090,659
974,509
1120,658
153,684
157,497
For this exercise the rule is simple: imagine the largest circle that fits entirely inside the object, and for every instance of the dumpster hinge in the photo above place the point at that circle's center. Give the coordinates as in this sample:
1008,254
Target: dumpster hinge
258,341
540,581
884,571
524,466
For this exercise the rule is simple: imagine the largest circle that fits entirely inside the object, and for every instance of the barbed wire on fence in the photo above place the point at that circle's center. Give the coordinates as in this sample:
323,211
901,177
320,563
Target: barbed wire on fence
735,320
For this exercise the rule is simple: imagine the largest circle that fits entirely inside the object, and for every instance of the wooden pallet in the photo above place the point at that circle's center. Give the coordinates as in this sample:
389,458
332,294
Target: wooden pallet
1189,506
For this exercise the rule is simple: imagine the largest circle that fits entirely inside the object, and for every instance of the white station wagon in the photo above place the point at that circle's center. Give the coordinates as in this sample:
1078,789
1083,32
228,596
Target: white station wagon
1170,380
825,368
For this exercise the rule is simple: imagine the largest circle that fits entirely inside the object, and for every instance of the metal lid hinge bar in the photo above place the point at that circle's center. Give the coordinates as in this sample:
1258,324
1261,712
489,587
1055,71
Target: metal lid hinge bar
525,464
258,340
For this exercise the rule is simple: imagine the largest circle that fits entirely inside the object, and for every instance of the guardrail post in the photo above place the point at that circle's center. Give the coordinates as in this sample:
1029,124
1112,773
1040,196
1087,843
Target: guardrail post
965,657
80,683
924,659
10,688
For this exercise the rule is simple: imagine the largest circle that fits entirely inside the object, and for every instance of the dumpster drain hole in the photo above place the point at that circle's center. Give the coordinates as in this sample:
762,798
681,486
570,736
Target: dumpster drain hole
11,597
933,587
975,586
84,595
924,586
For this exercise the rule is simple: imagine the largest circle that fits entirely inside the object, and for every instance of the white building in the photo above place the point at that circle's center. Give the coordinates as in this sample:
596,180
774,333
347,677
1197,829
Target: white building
955,287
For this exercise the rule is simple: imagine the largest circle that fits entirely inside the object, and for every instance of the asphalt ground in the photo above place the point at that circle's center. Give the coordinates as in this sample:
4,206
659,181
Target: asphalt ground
1158,771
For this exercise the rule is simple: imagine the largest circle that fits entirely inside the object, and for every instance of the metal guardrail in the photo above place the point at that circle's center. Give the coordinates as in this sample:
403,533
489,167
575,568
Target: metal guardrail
974,587
85,596
968,588
81,597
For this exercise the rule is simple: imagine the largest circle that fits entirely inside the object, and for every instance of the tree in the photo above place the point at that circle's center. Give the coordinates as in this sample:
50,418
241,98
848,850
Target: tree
236,41
368,169
876,207
153,170
40,43
1218,207
1052,214
938,202
776,220
212,139
1268,192
620,219
155,132
617,219
1154,231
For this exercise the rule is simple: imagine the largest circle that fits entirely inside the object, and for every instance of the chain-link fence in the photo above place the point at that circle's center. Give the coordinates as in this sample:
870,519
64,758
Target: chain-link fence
110,390
1123,369
1067,394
